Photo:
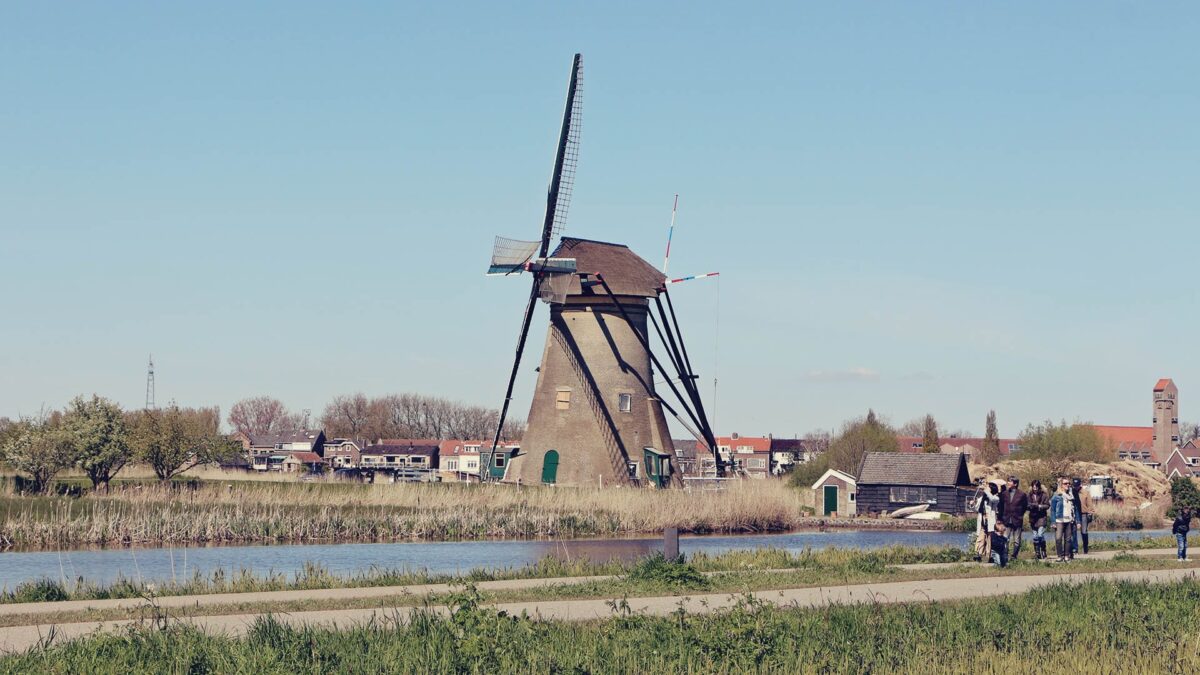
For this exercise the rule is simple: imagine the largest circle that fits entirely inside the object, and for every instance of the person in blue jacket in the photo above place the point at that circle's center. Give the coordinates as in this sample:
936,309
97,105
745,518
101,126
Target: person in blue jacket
1063,514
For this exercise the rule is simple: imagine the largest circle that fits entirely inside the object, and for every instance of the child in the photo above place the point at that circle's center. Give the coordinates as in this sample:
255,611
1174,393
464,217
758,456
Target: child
1183,523
1000,545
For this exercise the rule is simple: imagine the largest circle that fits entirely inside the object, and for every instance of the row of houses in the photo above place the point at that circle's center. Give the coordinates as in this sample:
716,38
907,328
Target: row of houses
754,457
308,451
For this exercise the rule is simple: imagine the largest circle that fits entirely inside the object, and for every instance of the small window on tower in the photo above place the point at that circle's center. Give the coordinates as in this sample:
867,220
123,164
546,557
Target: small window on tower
625,402
562,400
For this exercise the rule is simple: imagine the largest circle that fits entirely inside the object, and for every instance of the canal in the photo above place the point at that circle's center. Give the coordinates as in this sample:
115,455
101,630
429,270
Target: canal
165,564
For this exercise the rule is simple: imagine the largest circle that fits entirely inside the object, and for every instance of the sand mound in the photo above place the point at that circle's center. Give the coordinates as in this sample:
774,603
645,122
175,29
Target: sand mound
1136,482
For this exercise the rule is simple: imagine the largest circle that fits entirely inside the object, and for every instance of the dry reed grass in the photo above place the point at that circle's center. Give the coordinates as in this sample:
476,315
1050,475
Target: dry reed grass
325,511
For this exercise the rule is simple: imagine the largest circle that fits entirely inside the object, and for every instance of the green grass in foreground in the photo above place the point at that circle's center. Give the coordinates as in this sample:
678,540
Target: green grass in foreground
1096,626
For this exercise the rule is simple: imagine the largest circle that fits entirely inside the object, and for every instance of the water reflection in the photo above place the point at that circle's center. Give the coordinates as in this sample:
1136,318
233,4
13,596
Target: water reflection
165,564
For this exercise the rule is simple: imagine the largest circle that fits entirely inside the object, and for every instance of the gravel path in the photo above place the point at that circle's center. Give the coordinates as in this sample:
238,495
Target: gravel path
22,637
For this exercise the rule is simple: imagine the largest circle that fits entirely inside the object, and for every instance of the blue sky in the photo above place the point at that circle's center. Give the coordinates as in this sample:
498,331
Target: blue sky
919,207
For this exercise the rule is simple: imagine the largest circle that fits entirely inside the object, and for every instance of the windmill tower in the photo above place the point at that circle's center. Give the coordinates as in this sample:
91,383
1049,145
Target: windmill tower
596,417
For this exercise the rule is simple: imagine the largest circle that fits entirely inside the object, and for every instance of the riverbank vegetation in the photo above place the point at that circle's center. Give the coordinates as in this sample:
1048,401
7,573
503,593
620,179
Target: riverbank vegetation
239,512
648,574
314,576
1145,628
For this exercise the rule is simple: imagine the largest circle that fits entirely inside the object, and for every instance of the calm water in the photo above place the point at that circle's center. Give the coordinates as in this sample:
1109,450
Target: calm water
164,564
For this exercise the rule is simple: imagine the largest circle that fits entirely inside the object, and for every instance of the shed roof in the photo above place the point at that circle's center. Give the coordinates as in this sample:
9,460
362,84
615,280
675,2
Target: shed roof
625,271
932,469
834,473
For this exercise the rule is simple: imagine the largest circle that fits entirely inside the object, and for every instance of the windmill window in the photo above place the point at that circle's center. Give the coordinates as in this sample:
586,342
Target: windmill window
632,468
562,400
625,402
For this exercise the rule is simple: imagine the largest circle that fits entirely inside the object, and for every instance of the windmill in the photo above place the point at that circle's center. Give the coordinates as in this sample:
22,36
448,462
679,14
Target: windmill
595,418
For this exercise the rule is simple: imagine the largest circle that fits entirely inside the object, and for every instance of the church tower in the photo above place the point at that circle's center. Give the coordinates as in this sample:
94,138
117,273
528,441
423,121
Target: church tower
1166,418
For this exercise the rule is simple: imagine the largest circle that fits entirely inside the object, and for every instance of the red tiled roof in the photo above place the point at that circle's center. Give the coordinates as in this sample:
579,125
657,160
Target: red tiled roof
1162,384
756,443
1121,435
307,457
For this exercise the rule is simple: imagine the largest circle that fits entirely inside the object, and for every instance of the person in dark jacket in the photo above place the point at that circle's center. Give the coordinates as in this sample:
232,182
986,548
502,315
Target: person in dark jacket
1039,508
1180,528
1014,505
999,545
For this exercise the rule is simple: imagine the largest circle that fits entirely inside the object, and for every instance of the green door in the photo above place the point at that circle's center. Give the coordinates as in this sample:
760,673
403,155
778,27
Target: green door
831,505
550,467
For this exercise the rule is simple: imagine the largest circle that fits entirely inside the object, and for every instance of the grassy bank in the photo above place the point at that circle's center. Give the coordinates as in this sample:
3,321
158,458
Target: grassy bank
230,512
834,562
651,577
1124,626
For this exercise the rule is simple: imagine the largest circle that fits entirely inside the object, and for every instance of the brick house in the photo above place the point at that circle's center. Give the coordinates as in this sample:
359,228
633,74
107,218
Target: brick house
344,453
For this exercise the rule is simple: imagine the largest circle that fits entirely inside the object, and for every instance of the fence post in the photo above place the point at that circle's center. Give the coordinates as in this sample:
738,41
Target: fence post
671,543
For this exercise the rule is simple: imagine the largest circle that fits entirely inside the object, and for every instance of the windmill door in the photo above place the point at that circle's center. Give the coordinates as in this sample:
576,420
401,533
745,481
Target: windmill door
550,467
831,500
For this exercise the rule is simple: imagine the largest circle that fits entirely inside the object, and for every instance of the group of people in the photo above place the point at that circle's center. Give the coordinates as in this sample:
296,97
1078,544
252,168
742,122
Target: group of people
1002,510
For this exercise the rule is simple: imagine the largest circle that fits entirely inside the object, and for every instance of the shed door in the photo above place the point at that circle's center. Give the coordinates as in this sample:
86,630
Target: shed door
831,499
550,467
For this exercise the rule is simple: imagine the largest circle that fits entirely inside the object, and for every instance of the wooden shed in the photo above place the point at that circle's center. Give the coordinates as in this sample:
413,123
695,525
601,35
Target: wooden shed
835,494
889,480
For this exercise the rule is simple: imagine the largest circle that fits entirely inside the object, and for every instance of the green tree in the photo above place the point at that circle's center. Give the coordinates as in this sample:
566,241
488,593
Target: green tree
989,454
1184,495
39,449
96,429
857,438
929,435
1077,442
174,439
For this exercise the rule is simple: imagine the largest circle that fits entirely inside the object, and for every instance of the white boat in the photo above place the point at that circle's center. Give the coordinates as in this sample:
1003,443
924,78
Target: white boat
909,510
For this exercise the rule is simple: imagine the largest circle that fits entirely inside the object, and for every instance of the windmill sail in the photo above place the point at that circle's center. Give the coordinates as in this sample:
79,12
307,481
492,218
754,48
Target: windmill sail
558,200
562,180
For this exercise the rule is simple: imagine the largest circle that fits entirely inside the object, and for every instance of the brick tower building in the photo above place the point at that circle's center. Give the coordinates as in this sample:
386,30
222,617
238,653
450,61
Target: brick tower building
595,419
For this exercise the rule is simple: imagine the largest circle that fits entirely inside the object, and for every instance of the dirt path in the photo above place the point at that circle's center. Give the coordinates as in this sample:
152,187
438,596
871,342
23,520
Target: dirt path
934,590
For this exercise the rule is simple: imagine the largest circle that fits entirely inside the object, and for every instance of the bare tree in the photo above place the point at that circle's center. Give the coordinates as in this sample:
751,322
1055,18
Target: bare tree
817,442
262,415
914,427
347,416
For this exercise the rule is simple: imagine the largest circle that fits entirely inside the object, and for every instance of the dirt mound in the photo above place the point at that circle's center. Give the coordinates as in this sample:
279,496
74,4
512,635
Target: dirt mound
1136,482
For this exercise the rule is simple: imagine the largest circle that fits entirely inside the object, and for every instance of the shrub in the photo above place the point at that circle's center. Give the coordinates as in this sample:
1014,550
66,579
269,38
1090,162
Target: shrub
656,569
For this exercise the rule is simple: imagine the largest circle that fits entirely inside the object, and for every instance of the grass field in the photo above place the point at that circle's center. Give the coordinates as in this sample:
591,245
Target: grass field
1093,627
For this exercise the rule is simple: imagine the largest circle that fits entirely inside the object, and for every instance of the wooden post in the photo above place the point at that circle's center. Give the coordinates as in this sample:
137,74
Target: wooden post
671,543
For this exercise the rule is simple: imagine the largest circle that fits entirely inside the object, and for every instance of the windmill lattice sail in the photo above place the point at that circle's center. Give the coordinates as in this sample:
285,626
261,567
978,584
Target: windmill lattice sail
510,255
